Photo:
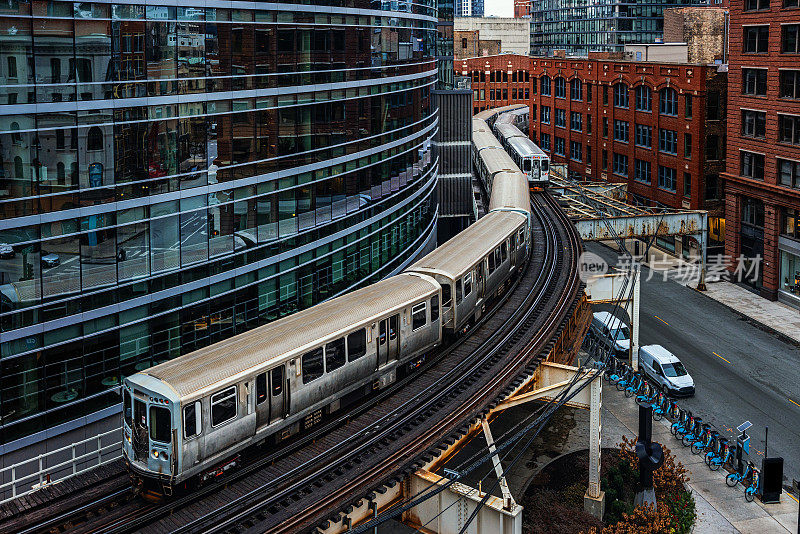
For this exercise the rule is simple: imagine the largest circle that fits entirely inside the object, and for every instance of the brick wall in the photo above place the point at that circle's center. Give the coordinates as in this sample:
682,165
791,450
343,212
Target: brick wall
702,28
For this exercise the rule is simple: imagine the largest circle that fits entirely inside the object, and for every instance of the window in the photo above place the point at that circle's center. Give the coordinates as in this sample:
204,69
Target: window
589,154
464,42
558,146
533,85
533,111
790,38
644,98
561,118
687,145
754,124
160,424
644,136
544,85
605,126
789,129
752,165
12,66
687,185
60,143
588,92
668,141
755,39
620,130
790,84
561,88
356,344
545,115
94,139
754,5
605,160
712,105
277,381
668,101
313,365
791,3
127,408
223,405
545,145
754,82
687,106
334,354
261,388
789,173
620,164
467,284
418,316
667,178
192,419
458,291
621,96
434,308
588,123
576,90
641,170
712,147
576,121
575,151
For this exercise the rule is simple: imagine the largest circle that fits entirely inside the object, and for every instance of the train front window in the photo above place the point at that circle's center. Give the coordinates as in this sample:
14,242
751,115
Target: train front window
356,344
526,166
434,308
447,295
160,426
536,168
545,165
127,408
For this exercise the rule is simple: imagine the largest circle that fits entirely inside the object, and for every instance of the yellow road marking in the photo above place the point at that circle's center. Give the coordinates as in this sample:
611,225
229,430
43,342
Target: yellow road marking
792,496
720,357
793,402
662,320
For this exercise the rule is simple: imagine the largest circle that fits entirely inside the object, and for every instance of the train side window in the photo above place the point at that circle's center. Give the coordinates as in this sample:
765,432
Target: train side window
467,284
312,365
192,419
418,316
127,408
491,262
498,256
447,295
356,344
334,354
223,406
434,308
458,291
160,425
504,251
261,388
277,381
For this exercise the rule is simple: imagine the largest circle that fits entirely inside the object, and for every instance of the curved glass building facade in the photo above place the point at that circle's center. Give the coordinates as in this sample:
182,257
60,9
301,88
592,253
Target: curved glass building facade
175,174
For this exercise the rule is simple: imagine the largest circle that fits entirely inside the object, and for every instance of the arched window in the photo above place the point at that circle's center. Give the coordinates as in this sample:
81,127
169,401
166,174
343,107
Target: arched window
621,95
18,168
61,173
94,139
561,88
644,98
668,101
576,90
16,137
544,85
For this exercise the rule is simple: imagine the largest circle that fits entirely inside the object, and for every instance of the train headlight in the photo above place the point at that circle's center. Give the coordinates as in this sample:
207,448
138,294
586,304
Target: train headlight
155,453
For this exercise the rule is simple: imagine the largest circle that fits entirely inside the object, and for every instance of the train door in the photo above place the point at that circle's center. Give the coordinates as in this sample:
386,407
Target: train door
277,404
388,339
394,337
383,347
140,438
262,399
480,279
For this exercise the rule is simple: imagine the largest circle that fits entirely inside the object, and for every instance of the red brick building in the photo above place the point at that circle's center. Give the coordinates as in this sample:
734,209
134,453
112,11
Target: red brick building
763,160
522,8
659,127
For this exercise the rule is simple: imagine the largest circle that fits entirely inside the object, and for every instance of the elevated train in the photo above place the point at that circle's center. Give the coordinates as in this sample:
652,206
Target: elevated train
191,417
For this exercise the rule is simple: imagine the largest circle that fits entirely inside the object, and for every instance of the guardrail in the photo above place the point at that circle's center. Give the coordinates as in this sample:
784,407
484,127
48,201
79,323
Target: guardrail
38,472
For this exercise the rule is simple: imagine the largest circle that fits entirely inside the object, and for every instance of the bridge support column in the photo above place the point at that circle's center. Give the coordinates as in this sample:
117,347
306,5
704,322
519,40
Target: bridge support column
508,499
594,502
635,273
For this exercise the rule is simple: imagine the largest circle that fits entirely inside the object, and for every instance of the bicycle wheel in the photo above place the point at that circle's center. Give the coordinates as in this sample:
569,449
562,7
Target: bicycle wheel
749,494
697,446
629,392
620,385
714,466
657,416
687,440
732,479
708,460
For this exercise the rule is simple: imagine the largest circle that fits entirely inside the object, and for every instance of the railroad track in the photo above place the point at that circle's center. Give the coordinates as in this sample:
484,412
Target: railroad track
299,486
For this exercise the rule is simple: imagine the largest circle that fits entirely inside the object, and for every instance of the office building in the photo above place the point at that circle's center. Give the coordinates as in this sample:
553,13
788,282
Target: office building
172,176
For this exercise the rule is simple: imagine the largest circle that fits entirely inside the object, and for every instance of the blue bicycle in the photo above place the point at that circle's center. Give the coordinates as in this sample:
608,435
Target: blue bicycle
750,473
694,434
706,440
721,456
683,424
635,386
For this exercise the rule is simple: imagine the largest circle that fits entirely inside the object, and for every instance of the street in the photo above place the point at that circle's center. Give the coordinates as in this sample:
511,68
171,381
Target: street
741,372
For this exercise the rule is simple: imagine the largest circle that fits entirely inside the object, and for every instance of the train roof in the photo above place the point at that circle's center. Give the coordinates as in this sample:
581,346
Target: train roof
459,254
509,131
489,113
497,160
510,190
483,140
296,333
479,125
525,147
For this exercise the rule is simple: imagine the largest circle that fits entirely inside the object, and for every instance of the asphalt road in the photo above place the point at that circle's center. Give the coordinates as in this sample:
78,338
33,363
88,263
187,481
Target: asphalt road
741,371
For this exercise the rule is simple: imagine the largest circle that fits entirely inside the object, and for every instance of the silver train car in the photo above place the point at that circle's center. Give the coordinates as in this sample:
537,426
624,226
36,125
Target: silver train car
190,418
526,154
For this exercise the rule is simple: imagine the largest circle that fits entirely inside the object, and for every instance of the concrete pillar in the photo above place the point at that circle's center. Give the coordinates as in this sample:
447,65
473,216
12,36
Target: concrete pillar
594,501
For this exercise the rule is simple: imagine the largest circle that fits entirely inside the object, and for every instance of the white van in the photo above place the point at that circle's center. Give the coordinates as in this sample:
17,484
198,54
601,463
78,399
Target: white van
666,370
612,331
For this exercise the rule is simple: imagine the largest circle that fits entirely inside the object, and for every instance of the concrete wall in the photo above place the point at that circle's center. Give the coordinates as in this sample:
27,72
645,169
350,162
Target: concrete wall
513,34
663,53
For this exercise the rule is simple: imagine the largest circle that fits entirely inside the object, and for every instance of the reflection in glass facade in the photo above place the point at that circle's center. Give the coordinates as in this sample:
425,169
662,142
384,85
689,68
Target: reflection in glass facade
171,176
580,26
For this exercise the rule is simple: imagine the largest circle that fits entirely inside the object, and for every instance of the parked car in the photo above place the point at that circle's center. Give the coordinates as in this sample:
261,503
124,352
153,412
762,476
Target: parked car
612,332
666,370
50,259
6,251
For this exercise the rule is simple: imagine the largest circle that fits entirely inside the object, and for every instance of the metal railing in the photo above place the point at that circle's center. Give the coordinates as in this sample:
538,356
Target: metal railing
40,471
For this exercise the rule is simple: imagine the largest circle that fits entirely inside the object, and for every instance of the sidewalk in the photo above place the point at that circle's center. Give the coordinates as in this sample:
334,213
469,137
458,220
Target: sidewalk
720,509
